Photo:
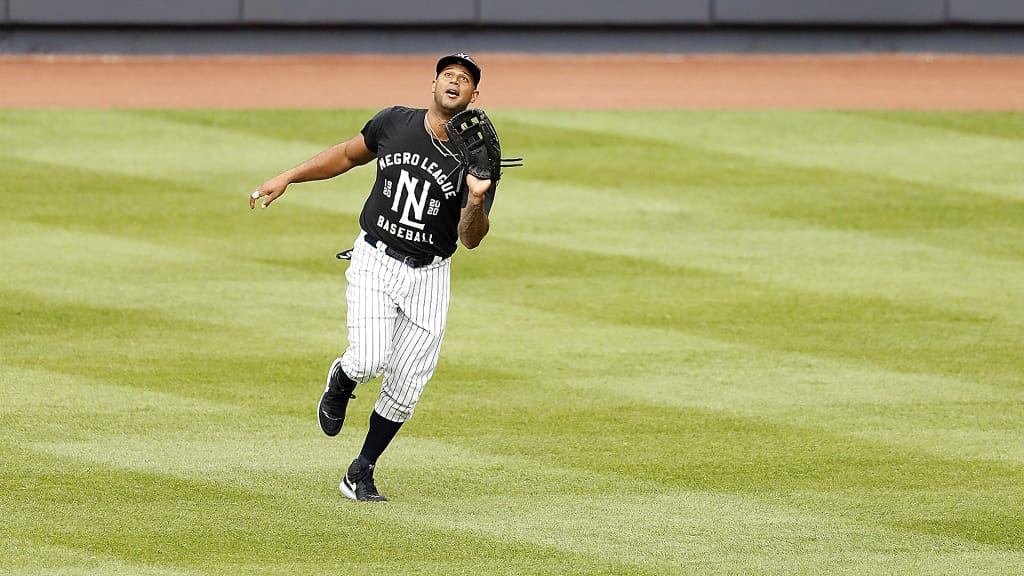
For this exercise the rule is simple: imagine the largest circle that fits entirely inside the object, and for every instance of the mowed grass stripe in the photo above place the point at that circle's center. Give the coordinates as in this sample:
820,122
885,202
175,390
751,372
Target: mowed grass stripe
780,253
147,145
617,508
191,290
735,399
509,472
783,169
262,464
201,527
102,323
596,518
154,484
631,311
612,508
922,149
947,415
798,458
704,179
212,219
903,337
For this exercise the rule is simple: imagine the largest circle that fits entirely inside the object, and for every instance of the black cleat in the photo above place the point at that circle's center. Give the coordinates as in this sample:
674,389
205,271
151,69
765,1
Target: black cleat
334,401
358,483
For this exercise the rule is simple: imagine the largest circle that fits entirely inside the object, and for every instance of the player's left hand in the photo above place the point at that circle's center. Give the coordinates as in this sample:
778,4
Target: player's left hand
478,188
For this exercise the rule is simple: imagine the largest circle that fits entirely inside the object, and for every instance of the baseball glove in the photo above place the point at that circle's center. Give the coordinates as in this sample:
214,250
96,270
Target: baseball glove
475,141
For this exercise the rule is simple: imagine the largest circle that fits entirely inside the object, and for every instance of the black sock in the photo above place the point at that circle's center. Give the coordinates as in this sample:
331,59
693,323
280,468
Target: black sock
380,434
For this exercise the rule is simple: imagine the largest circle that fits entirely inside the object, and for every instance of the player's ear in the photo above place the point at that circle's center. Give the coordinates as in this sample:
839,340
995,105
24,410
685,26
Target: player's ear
473,96
433,86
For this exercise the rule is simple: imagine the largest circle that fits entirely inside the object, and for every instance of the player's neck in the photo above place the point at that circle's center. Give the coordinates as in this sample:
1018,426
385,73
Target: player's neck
433,122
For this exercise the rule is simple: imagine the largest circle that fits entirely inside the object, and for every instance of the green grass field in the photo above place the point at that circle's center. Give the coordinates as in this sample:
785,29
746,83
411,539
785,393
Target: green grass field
694,343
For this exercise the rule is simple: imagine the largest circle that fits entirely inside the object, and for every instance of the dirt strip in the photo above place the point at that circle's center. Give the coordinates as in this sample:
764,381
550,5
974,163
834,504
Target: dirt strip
519,81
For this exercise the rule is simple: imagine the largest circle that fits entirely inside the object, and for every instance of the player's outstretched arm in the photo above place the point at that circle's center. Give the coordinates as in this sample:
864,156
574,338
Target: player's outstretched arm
474,223
333,161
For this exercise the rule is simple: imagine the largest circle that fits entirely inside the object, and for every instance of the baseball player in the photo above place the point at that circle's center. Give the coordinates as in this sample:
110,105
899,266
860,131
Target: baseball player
421,204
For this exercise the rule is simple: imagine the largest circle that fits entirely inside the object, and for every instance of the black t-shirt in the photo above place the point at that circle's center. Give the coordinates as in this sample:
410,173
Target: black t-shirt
419,193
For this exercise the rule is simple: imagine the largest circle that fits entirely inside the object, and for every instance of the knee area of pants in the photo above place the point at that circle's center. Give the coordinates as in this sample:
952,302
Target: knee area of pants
360,372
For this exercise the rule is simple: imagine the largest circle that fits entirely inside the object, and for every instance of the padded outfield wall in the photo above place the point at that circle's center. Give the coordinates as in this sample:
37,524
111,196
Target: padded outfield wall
519,25
518,12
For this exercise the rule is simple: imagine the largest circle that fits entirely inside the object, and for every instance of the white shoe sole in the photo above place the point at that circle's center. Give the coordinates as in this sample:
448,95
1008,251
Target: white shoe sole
347,491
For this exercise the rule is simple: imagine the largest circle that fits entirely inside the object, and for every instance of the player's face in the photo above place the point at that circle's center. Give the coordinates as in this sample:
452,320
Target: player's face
454,89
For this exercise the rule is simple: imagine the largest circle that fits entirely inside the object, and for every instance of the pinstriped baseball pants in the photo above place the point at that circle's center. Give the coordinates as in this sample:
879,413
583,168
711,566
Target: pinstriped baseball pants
396,321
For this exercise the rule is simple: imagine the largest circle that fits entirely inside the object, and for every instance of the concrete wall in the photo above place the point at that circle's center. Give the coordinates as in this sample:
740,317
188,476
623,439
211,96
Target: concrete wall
986,11
78,12
356,12
817,12
595,12
501,13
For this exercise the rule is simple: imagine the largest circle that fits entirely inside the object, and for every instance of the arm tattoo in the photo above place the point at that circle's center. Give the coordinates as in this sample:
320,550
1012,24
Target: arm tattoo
473,225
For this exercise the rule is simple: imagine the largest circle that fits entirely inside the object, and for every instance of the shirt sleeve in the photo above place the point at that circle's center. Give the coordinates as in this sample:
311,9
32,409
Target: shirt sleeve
374,129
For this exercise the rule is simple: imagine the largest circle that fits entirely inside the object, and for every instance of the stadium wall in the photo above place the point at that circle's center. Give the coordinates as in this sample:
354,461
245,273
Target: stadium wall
184,26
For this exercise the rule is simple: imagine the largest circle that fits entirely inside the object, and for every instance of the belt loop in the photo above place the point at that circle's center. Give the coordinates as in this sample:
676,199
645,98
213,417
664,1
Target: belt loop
405,259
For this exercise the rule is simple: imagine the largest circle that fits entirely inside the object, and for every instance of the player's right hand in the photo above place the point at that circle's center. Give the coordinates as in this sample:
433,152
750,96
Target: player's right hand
478,187
270,190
